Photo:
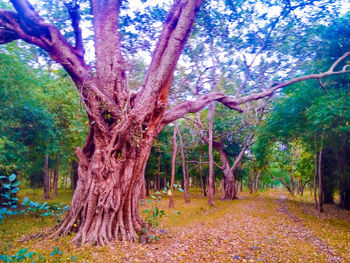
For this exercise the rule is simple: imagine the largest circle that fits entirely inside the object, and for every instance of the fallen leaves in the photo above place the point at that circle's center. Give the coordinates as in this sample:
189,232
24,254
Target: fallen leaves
258,228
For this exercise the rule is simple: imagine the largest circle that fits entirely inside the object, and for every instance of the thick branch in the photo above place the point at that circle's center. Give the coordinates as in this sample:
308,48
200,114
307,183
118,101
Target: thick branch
110,65
7,35
27,25
176,30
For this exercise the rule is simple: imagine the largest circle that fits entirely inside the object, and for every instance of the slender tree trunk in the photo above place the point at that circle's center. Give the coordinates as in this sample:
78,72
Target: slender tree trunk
49,171
236,189
173,164
257,180
159,178
298,186
291,176
156,184
74,174
315,179
65,181
320,191
302,187
55,177
251,184
148,185
203,177
211,157
46,178
184,174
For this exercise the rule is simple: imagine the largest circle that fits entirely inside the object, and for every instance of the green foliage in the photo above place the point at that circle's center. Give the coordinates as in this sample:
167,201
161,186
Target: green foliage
40,114
31,208
154,214
21,255
24,255
9,188
44,210
56,251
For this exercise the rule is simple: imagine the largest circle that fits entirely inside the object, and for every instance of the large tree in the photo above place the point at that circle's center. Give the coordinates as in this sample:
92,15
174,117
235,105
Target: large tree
123,123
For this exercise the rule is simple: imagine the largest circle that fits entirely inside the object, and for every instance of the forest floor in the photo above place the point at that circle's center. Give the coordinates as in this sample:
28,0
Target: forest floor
263,227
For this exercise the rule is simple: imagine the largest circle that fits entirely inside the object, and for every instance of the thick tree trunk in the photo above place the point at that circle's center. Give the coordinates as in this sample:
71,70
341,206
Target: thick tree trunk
173,164
105,203
229,184
143,191
55,177
46,178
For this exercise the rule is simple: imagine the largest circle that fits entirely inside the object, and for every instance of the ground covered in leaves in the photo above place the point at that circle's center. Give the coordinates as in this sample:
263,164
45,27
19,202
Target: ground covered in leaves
263,227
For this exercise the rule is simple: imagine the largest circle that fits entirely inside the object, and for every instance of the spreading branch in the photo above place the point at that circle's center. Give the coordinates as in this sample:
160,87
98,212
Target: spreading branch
185,107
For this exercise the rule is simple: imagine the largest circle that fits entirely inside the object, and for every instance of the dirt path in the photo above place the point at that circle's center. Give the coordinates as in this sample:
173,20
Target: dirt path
256,229
299,229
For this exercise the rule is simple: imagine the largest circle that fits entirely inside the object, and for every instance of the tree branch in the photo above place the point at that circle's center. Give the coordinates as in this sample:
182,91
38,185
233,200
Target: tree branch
176,30
281,180
73,11
185,107
241,153
27,25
